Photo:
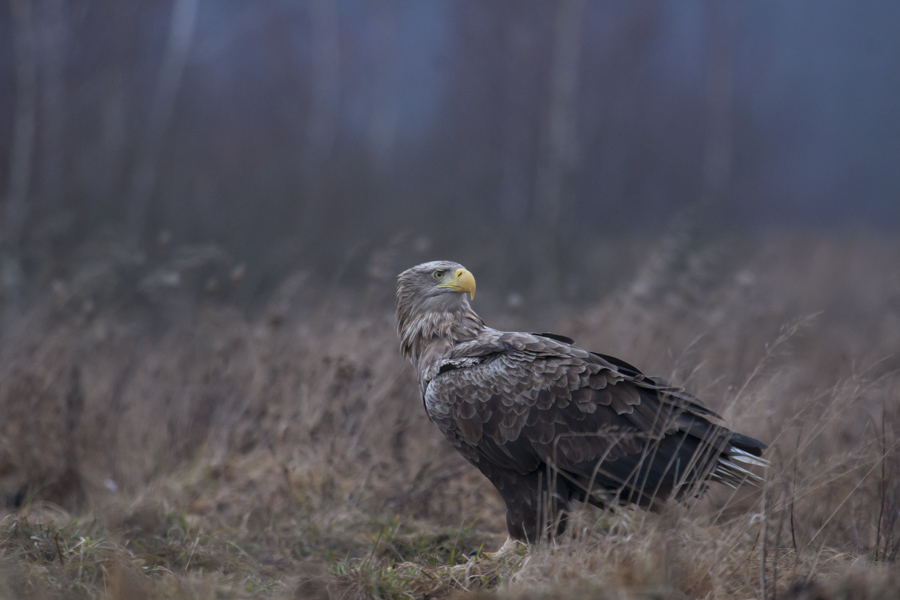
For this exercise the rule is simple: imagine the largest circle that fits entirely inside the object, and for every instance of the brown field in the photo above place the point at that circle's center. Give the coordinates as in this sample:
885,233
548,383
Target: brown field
159,443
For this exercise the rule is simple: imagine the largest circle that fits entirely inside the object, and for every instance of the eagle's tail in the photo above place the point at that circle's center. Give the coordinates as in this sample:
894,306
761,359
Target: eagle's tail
742,449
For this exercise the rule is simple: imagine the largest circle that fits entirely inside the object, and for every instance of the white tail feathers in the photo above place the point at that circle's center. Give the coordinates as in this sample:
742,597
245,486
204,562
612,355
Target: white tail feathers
732,474
746,458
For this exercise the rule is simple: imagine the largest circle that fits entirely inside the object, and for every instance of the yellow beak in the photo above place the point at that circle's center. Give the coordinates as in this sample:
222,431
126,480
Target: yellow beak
463,281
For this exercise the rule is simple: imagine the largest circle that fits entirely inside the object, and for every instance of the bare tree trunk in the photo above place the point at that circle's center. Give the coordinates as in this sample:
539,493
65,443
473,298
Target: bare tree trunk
322,119
719,146
178,47
106,178
24,123
20,168
383,119
516,185
384,115
560,147
53,41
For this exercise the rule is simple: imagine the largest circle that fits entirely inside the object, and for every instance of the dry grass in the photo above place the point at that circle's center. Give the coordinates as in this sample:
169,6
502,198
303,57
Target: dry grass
212,454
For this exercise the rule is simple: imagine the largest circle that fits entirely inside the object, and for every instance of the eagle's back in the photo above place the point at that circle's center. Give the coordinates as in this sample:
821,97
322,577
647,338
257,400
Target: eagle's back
515,402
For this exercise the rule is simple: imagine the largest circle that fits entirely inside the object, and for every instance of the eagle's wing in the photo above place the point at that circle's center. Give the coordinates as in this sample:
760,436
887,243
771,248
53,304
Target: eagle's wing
519,400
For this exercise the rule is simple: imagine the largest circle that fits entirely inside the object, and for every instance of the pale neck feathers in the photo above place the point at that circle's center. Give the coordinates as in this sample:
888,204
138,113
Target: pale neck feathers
439,320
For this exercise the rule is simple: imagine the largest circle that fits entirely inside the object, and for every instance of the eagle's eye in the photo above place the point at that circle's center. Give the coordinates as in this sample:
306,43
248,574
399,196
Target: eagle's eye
438,275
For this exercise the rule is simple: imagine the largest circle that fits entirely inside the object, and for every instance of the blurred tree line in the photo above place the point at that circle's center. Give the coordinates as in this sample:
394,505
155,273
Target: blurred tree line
298,133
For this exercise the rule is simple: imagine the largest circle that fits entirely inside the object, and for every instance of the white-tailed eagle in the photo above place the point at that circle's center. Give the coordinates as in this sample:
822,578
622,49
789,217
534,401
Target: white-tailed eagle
550,424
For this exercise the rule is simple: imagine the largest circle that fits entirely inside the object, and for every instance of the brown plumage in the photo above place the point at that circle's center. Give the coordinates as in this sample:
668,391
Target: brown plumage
550,424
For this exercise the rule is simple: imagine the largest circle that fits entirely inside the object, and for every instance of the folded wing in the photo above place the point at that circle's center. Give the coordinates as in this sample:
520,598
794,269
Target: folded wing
523,401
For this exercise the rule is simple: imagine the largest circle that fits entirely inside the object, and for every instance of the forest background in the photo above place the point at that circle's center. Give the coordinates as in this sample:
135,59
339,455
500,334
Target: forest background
204,206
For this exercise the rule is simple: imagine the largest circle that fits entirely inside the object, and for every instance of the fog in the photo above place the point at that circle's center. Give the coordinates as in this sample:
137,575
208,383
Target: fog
295,134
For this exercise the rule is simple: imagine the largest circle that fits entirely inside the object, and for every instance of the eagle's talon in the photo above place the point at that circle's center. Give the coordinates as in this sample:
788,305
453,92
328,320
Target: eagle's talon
510,546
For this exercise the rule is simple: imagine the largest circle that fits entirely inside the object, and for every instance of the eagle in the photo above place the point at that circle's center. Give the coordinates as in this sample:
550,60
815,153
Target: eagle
553,426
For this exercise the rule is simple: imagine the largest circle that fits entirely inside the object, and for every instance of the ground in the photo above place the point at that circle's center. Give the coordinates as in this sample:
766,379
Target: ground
166,446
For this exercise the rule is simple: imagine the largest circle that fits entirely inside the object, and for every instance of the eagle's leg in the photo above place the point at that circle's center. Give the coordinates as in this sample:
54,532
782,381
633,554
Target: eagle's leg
534,510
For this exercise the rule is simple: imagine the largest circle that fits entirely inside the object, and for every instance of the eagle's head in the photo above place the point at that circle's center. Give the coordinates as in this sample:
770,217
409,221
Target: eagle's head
433,303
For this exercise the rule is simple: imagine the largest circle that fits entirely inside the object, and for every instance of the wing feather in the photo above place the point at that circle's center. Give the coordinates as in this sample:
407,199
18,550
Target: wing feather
529,399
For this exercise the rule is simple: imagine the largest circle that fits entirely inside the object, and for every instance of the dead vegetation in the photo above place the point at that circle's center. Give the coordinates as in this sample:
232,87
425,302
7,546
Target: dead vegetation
158,446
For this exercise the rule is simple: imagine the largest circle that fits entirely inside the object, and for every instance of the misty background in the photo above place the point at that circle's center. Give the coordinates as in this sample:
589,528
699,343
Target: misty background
204,205
246,140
